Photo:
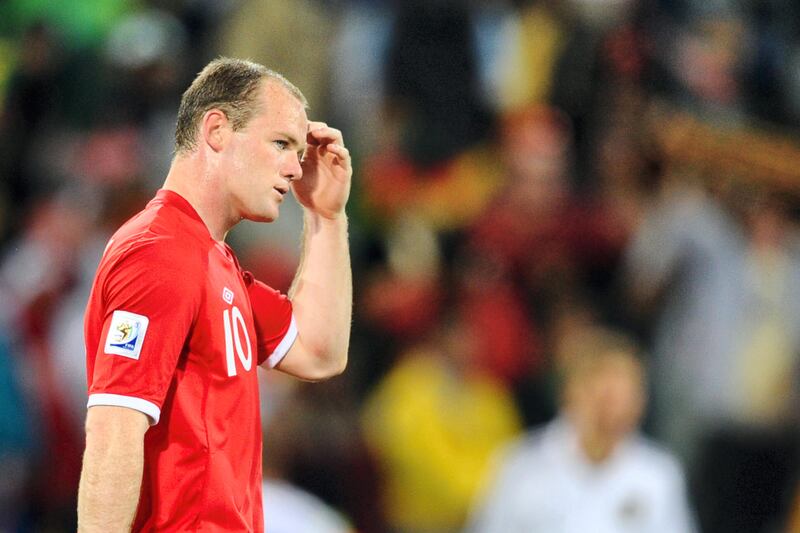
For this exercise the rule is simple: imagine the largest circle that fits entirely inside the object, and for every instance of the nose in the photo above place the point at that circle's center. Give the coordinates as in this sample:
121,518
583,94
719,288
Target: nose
292,169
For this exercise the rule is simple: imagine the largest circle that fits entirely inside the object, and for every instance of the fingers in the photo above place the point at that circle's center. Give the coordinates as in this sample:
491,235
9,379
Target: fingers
339,151
328,140
321,133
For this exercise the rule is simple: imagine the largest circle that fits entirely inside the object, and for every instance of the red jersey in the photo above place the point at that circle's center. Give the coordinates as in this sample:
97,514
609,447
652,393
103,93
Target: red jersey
175,329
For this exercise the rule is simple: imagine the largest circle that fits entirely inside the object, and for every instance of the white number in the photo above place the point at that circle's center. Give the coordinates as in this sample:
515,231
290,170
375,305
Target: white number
233,321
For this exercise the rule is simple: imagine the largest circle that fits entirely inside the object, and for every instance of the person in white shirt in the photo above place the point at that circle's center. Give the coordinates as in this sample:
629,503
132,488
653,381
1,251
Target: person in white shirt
589,470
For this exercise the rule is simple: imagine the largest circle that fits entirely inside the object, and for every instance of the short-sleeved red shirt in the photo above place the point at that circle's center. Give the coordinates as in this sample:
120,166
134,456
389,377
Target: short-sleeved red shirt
175,329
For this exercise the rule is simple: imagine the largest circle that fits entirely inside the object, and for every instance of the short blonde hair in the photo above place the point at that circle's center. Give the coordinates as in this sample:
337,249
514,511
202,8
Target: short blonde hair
227,84
594,349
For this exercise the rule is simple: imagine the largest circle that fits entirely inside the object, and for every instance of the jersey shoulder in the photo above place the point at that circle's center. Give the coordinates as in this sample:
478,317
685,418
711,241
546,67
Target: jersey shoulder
160,245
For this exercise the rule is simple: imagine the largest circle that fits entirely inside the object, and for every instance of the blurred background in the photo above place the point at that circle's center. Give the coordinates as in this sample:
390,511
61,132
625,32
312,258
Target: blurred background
525,171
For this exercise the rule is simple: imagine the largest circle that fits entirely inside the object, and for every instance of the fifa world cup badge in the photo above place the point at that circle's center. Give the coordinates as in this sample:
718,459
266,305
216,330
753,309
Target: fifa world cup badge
126,334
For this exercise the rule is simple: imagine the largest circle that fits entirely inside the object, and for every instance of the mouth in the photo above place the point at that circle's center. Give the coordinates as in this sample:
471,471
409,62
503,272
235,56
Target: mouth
281,190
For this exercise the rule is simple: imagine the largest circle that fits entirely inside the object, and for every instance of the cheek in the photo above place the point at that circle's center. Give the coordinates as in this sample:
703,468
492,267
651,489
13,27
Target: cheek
237,164
239,167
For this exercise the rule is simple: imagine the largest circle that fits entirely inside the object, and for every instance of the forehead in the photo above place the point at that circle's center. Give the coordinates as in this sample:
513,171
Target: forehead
279,109
613,367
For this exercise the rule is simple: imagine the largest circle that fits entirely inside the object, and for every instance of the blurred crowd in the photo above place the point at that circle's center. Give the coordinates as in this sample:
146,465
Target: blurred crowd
533,178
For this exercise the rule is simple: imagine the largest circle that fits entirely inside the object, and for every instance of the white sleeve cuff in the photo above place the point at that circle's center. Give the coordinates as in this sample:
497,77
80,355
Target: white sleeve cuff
282,348
137,404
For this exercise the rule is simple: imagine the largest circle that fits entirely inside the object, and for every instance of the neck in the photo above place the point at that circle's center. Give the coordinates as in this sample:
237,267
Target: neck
190,176
597,448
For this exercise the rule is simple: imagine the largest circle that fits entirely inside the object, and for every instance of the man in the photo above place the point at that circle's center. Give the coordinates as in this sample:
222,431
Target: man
174,329
588,470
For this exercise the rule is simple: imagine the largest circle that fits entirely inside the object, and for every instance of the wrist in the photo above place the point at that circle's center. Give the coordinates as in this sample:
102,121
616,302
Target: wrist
316,219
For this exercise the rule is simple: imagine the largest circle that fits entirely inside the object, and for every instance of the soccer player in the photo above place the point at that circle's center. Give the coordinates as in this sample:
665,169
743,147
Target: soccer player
175,329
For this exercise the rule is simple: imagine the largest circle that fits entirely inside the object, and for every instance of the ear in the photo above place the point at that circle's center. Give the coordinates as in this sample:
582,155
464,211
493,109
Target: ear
215,129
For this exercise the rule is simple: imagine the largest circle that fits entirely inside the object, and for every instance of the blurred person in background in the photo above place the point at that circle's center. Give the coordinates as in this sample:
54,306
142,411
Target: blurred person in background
538,242
156,457
35,280
433,422
540,230
589,469
717,266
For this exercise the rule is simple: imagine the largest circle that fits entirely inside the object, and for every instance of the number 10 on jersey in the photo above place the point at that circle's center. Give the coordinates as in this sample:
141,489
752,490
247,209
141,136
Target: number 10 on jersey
234,323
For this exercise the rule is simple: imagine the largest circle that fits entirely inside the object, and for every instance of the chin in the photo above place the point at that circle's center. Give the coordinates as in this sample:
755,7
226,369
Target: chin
263,216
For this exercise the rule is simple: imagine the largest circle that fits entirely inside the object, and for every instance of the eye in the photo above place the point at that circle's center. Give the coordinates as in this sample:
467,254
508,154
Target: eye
281,144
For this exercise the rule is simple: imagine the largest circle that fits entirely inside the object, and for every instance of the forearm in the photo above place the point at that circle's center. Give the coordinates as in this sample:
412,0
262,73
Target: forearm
111,478
322,291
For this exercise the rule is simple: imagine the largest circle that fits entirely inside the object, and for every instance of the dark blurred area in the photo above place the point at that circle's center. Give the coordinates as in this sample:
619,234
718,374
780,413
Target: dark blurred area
526,171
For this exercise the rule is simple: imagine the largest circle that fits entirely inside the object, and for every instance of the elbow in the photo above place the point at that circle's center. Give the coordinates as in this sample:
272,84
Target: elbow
328,365
339,366
314,362
335,364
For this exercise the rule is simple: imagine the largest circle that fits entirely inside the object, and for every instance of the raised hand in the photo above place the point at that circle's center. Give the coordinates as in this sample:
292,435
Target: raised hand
327,172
